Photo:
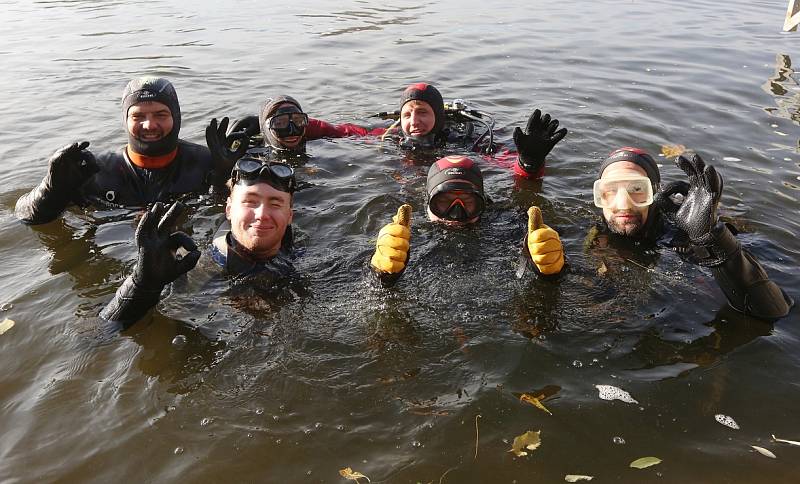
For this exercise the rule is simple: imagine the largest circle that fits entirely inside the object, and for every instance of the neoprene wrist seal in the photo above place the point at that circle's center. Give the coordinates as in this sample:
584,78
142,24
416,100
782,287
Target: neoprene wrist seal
717,246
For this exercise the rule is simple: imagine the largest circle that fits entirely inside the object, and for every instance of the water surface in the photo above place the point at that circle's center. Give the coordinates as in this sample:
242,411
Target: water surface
292,387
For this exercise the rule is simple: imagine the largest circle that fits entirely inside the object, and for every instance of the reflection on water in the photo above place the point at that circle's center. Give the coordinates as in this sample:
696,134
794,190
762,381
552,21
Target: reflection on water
237,380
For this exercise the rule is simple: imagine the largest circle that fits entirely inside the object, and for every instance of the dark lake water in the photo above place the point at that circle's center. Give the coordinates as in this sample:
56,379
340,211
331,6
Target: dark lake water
394,383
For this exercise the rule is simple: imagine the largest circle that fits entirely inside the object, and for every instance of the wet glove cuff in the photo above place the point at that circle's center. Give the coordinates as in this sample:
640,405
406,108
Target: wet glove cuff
529,170
130,302
717,246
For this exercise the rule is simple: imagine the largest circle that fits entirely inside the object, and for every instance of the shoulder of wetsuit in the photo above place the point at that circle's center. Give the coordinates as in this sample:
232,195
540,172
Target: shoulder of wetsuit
113,177
194,152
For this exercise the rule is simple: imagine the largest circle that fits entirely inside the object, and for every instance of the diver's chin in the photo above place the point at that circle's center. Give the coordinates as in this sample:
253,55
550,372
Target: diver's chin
628,229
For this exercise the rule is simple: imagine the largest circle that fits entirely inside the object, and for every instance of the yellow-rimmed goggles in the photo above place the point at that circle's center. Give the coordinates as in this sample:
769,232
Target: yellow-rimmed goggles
638,189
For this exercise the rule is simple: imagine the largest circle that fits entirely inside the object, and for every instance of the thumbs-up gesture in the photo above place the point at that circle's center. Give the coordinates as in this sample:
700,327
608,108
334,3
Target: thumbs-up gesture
544,245
391,249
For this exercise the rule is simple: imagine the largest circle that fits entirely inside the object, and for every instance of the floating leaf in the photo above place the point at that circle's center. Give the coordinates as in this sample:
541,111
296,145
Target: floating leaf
727,421
764,452
671,151
6,325
601,271
528,441
792,442
348,473
608,392
577,477
643,462
535,402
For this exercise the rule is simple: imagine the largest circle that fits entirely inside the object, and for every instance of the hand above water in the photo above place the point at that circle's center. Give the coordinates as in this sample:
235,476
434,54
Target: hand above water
158,263
540,136
698,212
69,168
219,144
544,245
391,249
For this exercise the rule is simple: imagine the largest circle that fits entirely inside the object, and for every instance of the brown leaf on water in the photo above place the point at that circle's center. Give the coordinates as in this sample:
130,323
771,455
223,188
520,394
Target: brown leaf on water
348,473
530,440
671,151
601,271
310,170
399,178
535,401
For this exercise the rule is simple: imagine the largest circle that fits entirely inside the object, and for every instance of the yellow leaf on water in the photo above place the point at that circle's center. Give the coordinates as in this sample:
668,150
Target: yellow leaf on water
348,473
764,452
577,477
6,325
528,441
643,462
535,402
671,151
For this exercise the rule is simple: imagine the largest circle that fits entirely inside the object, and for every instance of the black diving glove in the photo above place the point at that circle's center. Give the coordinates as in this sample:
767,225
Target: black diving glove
71,167
158,264
713,242
68,169
248,124
540,136
664,202
219,144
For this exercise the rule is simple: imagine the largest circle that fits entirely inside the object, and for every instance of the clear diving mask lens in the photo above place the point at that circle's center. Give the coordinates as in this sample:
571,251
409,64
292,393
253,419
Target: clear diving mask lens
639,190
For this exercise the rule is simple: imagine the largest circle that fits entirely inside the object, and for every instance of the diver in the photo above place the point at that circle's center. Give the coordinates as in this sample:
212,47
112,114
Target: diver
639,214
257,242
284,127
455,197
154,165
426,123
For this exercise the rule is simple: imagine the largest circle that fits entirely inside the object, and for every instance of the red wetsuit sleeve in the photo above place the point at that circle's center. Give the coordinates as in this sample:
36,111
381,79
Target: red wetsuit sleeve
317,129
508,159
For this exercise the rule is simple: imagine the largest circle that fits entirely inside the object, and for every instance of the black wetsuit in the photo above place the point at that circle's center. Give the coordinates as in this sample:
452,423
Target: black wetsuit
120,183
741,278
131,302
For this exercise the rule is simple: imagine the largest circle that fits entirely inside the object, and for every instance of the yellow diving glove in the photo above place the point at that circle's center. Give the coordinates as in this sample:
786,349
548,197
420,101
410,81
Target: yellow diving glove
391,249
544,246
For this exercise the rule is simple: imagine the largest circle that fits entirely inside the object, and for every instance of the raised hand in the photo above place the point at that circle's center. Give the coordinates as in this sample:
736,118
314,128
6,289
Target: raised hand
391,249
219,144
544,245
540,136
158,263
664,202
698,212
70,167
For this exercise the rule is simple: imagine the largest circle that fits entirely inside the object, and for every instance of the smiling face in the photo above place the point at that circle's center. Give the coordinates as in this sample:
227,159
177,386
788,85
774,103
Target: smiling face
259,216
622,216
417,118
293,140
149,121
